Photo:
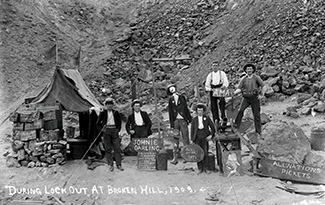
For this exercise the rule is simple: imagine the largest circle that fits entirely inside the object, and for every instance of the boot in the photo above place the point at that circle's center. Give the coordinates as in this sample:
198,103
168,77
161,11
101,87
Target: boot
175,157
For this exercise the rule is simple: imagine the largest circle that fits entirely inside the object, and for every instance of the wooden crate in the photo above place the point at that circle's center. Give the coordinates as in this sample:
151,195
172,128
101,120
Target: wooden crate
53,124
19,126
29,116
14,117
52,114
37,124
51,135
25,135
76,148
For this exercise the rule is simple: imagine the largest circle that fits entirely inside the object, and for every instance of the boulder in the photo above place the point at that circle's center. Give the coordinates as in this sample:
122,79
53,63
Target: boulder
320,107
284,142
315,158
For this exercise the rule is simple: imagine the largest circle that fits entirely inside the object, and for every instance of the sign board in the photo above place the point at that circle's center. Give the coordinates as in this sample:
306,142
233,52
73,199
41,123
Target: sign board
147,149
291,171
147,144
147,161
232,163
192,153
222,92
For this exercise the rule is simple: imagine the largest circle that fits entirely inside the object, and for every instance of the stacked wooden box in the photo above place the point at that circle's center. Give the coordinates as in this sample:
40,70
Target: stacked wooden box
37,137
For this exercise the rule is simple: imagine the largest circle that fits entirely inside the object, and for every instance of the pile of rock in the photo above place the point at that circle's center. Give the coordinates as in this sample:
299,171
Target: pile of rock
37,137
287,142
307,104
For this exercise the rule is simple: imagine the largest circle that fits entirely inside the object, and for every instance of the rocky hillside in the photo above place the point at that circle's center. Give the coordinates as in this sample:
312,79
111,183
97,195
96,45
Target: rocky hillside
282,37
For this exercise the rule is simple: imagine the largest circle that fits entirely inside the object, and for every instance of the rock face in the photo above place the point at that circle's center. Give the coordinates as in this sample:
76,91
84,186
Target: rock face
315,158
284,142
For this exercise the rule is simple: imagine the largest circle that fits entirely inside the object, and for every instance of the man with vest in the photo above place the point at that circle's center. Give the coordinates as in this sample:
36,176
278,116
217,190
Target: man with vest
217,79
179,118
252,89
111,122
138,124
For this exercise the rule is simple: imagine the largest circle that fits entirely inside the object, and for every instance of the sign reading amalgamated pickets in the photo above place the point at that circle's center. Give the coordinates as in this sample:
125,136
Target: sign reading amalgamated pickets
291,171
147,149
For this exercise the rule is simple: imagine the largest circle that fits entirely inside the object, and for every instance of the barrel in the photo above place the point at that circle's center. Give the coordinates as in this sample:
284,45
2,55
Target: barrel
317,138
161,162
211,162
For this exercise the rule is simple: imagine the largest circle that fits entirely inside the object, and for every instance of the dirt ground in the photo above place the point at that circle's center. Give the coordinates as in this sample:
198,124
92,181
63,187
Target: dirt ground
73,183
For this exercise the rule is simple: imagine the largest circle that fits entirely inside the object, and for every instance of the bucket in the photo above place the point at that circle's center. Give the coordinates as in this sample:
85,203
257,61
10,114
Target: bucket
161,162
317,138
211,162
70,132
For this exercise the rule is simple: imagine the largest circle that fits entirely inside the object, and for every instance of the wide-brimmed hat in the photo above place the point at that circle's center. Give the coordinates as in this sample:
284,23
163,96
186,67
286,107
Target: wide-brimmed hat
200,105
249,65
215,62
136,101
108,101
168,87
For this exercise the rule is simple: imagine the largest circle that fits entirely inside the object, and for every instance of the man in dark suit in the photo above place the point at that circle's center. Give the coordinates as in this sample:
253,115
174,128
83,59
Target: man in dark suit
111,122
138,124
179,118
202,130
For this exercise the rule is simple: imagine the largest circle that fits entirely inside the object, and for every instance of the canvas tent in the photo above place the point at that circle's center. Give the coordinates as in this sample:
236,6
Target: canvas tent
68,88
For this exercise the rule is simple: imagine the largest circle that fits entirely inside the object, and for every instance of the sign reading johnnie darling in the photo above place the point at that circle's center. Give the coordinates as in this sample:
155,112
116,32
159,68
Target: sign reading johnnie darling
147,144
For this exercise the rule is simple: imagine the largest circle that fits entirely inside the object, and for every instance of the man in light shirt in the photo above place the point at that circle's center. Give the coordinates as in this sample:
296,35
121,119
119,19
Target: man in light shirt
138,124
179,118
217,79
111,122
202,130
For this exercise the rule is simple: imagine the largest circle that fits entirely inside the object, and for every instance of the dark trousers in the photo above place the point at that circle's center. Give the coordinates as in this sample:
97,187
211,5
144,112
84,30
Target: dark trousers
112,142
140,132
254,102
215,109
200,140
181,125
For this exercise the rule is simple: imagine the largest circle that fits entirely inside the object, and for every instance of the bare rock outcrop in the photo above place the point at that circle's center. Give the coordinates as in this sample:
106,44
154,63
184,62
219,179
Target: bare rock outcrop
284,142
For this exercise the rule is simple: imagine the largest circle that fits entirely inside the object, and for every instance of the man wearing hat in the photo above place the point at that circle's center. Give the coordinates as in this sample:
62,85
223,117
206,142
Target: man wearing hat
252,89
179,118
111,122
202,130
217,78
138,124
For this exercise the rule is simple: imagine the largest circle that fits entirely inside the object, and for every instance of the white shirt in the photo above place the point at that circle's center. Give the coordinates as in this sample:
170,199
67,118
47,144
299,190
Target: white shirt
200,122
176,98
216,78
138,118
110,118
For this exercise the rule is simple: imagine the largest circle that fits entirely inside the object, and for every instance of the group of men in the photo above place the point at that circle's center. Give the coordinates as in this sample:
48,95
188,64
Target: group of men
202,128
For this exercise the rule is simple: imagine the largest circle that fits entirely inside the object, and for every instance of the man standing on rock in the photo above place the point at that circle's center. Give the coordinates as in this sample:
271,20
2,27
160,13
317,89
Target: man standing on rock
179,118
111,122
138,124
217,79
252,88
202,130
